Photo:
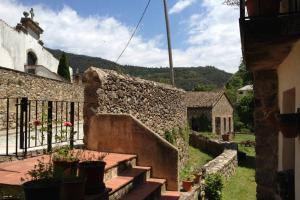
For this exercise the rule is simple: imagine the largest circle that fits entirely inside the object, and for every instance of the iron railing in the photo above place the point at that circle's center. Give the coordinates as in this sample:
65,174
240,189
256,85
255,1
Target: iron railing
292,8
27,125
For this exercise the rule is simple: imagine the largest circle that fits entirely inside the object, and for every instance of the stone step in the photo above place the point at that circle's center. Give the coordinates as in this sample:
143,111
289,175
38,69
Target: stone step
127,181
12,172
150,190
170,195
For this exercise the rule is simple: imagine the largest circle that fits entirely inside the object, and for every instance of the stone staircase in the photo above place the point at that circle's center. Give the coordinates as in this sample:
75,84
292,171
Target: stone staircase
124,179
128,181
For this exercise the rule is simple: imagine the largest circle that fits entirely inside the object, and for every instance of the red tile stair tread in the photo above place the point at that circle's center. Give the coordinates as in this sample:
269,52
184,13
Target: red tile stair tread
125,178
170,195
145,190
12,172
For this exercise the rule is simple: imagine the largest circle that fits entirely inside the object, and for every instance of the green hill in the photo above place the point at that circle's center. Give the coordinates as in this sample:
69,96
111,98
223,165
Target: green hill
185,77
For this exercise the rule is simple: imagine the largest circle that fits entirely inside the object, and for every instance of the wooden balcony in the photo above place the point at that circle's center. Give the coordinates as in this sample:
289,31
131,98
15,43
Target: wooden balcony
267,40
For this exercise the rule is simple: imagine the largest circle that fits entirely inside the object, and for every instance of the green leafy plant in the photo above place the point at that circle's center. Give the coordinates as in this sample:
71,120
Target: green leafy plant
213,187
169,136
186,174
66,154
41,171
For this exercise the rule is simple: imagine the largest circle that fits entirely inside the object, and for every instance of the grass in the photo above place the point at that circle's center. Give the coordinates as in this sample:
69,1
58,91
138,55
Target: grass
250,151
196,159
241,186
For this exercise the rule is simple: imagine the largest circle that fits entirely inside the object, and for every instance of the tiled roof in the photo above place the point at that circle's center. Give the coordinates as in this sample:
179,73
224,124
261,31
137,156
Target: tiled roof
202,99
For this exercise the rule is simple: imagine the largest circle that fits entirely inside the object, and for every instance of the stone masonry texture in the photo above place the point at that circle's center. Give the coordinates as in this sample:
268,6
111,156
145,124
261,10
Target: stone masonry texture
15,84
160,107
266,108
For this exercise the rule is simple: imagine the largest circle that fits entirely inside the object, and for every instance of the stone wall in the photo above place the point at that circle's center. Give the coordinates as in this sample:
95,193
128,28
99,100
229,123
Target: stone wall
225,164
15,85
159,107
213,147
266,131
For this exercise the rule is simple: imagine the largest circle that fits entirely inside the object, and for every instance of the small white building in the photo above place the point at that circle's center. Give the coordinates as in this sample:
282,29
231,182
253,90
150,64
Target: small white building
248,89
21,48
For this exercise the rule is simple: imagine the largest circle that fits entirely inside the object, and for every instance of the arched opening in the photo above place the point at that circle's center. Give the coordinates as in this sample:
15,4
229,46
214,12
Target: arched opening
31,58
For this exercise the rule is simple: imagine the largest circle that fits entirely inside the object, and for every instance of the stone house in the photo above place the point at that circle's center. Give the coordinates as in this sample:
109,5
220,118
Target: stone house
21,49
271,48
209,111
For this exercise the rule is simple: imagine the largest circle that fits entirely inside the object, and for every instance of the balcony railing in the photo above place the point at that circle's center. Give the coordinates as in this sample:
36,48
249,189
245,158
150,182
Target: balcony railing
285,7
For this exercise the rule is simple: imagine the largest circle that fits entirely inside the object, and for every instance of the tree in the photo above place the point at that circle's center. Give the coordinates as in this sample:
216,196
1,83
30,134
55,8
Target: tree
245,109
63,67
204,87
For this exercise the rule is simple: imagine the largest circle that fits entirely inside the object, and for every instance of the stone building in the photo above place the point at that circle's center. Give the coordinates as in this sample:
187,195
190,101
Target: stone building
22,49
209,111
271,48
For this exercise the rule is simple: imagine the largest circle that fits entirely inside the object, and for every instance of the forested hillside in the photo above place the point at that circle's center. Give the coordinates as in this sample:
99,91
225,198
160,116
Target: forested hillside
185,77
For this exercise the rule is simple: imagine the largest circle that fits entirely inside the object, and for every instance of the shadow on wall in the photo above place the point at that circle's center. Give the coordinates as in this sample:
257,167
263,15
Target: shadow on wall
121,133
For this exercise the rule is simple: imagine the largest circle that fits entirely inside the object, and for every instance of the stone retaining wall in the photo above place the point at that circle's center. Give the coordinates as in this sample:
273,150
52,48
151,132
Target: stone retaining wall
15,84
225,164
213,147
158,106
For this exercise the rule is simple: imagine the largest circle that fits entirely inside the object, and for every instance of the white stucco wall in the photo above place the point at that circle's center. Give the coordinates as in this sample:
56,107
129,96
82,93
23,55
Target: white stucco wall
289,77
14,47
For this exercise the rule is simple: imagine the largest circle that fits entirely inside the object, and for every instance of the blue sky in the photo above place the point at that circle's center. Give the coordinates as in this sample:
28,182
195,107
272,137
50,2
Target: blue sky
204,32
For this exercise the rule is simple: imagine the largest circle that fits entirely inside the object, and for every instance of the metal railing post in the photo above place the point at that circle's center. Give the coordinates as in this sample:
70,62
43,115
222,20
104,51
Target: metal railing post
72,113
242,9
49,127
23,125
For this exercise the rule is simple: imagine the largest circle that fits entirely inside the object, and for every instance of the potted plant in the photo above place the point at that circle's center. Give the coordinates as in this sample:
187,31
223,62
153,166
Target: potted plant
198,174
289,124
226,137
41,184
65,162
73,188
92,168
187,179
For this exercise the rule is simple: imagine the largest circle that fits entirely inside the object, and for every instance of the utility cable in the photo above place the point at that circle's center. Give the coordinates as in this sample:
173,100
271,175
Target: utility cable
133,33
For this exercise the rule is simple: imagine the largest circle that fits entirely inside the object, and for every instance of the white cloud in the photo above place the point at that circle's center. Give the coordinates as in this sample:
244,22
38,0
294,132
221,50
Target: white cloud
212,37
181,5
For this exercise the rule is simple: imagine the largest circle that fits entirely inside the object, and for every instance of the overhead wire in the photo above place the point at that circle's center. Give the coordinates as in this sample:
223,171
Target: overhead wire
134,32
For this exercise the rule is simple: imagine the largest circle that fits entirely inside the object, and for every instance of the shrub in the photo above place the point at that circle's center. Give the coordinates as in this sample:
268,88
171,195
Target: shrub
213,187
169,136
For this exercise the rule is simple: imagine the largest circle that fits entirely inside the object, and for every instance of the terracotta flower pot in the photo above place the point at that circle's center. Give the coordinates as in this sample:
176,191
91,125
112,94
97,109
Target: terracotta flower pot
93,171
289,124
42,189
72,189
187,185
63,169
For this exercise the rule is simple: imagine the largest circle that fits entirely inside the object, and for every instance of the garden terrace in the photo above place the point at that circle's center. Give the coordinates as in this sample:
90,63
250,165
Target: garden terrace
123,177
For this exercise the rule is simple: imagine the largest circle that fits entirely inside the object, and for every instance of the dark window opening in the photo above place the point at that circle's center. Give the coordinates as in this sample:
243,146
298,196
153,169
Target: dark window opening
31,58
